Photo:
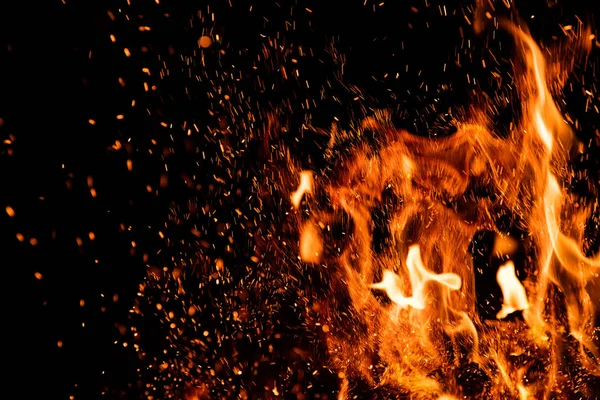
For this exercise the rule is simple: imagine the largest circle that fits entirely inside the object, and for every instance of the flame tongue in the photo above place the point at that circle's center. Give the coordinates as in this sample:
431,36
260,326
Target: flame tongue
513,292
306,186
419,276
311,245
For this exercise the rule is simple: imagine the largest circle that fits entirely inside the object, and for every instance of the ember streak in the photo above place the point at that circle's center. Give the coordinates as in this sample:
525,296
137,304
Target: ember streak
307,199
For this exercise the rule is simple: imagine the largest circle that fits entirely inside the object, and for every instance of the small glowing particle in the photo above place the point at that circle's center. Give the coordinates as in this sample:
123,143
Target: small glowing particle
164,180
59,343
205,42
20,237
92,122
38,276
127,52
10,211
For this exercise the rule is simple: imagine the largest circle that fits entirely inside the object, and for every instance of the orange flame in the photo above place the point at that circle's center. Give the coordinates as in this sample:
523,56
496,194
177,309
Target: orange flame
311,245
306,184
432,329
513,291
419,276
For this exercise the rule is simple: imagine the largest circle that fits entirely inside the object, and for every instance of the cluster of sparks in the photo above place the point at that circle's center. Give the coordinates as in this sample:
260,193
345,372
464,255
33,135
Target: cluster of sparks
268,280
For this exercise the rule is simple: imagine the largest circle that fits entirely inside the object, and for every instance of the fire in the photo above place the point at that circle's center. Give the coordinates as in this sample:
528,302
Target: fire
306,184
513,292
418,338
311,246
418,276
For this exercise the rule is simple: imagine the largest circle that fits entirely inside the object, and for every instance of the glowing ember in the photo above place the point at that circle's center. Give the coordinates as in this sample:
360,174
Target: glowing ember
205,42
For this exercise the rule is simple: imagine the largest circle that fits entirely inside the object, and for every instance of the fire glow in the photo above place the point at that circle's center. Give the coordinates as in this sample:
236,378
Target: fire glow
426,329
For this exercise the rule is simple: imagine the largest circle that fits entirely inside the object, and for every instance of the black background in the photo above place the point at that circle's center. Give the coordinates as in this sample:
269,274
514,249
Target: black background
60,69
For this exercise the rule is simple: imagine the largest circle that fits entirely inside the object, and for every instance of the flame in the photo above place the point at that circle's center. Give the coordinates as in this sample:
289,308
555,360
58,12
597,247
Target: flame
513,291
306,185
419,276
311,245
429,329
